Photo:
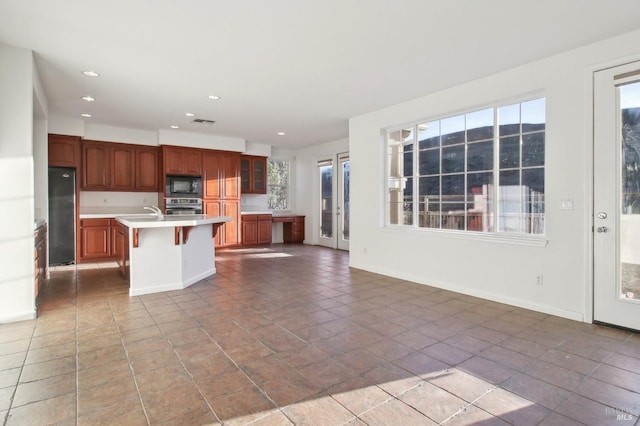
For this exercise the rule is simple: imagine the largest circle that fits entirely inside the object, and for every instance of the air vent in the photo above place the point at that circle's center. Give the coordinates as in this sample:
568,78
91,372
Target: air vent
203,121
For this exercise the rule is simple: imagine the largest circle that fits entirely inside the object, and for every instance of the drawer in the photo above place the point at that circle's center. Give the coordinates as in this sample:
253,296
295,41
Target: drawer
249,217
298,219
95,222
264,217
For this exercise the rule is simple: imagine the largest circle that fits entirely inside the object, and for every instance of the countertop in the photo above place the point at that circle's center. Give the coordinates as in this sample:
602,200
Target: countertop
113,211
147,221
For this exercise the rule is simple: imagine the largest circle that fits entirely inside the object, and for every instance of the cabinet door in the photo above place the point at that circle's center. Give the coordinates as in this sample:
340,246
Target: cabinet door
231,175
64,151
213,208
123,172
211,174
192,162
95,166
147,176
249,230
115,249
172,160
95,241
264,229
231,235
245,174
259,175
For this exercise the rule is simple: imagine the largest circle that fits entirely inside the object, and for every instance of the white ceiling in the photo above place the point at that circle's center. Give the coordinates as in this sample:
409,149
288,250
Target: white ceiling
298,66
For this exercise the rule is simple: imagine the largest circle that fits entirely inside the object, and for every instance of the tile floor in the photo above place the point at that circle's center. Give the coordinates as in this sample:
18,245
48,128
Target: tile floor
291,335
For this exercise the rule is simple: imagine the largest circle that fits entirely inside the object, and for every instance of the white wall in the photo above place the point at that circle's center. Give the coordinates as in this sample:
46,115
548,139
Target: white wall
496,270
307,191
17,296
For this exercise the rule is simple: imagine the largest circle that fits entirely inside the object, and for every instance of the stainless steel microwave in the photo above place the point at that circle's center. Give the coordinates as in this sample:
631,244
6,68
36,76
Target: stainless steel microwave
184,186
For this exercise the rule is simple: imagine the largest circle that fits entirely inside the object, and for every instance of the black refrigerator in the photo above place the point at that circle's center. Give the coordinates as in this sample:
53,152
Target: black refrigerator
62,216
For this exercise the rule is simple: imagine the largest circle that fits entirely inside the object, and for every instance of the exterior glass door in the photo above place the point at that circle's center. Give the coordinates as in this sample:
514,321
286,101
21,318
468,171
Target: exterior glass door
617,196
343,201
327,217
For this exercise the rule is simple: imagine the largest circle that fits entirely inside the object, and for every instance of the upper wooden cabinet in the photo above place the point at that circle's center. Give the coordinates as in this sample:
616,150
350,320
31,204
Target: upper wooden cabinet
147,169
123,168
64,151
220,172
96,160
253,172
182,161
108,166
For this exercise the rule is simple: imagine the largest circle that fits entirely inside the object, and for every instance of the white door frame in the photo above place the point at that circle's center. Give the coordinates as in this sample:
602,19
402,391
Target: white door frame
337,199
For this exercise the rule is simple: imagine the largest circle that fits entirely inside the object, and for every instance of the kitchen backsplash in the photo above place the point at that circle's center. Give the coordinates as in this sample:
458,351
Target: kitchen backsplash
117,199
254,202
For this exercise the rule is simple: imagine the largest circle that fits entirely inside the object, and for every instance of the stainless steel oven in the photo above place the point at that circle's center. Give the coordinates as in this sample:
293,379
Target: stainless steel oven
183,206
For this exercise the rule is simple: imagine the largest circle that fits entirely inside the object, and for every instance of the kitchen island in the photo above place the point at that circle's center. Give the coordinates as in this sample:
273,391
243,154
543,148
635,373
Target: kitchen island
170,252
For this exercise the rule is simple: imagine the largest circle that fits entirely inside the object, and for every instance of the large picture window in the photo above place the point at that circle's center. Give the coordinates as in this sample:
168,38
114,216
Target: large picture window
278,184
482,171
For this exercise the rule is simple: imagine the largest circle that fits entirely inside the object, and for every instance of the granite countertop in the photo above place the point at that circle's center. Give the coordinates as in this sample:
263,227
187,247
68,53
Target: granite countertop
113,211
153,221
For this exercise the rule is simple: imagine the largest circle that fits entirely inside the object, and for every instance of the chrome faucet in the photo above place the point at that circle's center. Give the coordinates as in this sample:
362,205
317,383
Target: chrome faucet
156,210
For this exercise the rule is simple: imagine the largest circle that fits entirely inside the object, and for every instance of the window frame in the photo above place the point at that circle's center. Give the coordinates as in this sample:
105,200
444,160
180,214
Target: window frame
528,238
287,186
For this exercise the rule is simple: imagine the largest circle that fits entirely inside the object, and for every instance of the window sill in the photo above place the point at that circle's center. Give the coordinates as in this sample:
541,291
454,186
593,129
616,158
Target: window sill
500,238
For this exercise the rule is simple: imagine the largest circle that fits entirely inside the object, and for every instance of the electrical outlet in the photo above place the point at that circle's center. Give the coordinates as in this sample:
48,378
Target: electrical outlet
539,279
104,201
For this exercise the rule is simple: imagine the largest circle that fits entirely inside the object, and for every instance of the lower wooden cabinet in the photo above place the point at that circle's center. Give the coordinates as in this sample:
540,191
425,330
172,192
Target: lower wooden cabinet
228,234
99,240
256,229
292,228
40,258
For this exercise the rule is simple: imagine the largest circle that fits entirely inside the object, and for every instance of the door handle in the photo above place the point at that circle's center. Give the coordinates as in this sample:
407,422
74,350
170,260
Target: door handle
601,229
602,215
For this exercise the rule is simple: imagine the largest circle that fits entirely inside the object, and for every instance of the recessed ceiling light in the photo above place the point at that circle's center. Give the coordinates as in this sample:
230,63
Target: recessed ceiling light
281,133
175,127
86,115
90,73
189,114
88,98
214,97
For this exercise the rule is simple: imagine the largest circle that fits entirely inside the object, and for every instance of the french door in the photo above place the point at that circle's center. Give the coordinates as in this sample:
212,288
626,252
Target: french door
334,181
616,202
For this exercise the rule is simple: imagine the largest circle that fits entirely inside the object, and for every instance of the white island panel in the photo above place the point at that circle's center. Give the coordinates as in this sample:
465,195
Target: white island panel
160,263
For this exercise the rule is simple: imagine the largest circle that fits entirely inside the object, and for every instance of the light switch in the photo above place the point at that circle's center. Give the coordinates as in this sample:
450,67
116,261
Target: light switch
566,204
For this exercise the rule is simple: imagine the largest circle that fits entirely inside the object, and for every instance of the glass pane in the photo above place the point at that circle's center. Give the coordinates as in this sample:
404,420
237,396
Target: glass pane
429,214
480,125
407,163
452,130
429,135
429,187
453,216
480,202
429,162
453,159
326,190
533,150
453,186
630,198
510,152
533,115
345,199
509,207
480,156
509,120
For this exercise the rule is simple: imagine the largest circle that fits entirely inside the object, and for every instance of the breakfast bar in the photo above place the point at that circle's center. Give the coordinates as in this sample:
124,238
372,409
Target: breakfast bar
170,252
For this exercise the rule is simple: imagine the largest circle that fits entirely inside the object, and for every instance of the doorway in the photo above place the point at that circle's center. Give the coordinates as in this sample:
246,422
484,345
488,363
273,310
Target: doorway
334,178
616,198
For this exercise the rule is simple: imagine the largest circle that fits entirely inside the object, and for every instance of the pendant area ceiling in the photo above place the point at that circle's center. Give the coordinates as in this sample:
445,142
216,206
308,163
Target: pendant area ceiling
302,67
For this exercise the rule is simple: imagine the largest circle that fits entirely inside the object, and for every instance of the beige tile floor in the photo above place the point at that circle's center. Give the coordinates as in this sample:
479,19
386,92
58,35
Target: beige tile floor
292,335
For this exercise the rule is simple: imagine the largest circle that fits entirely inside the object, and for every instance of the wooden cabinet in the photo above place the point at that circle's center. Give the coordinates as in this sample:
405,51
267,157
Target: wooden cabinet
292,228
253,172
108,166
120,246
95,239
96,160
123,168
64,151
256,229
147,167
40,258
182,161
229,233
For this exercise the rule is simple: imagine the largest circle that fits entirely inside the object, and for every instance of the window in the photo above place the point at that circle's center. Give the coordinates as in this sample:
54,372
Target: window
456,172
278,184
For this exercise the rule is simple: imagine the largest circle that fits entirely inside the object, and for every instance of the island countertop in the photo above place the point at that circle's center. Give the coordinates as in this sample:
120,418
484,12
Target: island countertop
149,221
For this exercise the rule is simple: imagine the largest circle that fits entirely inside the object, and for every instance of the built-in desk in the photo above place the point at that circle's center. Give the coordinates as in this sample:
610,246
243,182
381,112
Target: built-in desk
292,228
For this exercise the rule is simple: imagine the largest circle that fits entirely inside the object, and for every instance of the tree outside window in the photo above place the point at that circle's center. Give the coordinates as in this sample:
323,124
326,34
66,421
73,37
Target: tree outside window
278,184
